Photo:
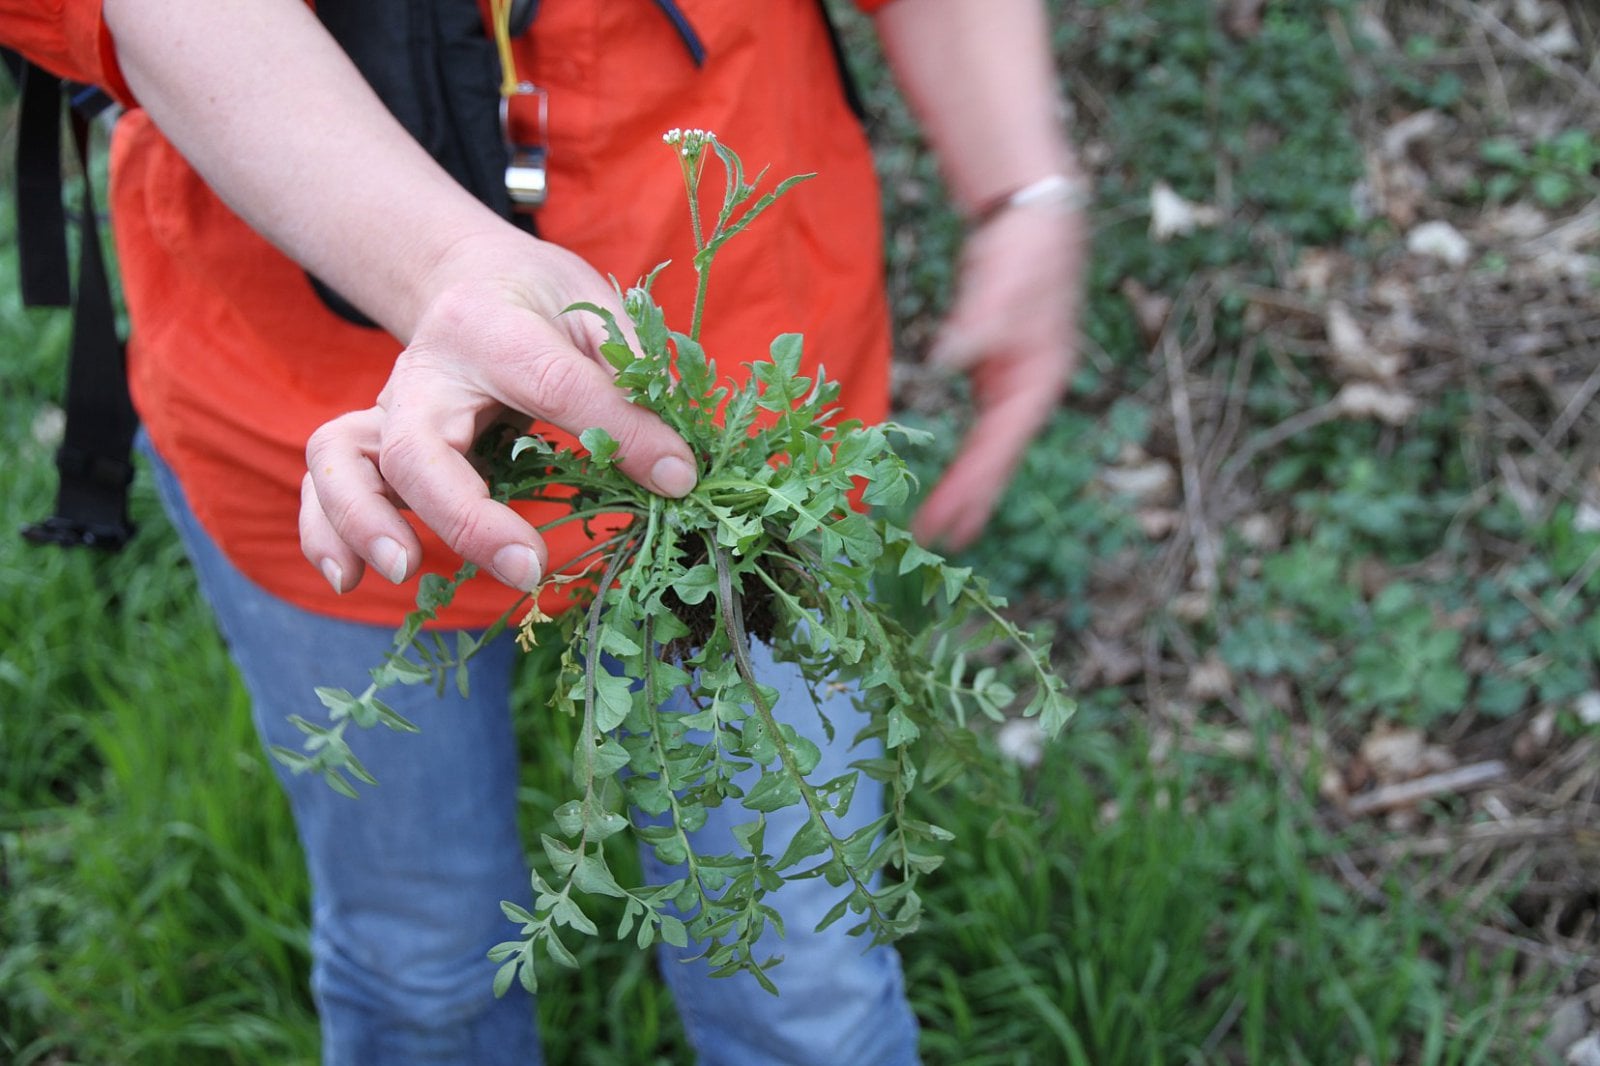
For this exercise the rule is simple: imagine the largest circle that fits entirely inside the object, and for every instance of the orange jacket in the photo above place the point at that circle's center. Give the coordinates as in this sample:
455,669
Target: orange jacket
234,361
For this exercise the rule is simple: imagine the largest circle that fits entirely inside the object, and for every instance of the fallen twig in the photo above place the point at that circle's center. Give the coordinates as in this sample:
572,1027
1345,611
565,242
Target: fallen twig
1205,550
1526,50
1405,793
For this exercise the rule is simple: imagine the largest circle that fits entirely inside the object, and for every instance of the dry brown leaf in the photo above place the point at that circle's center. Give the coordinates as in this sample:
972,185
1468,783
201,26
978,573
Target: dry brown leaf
1173,216
1210,679
1369,25
1158,523
1402,754
1362,399
1313,273
1439,240
1558,41
1353,354
1419,126
1518,221
1530,14
1153,481
1150,309
1109,662
1535,738
1190,606
1260,530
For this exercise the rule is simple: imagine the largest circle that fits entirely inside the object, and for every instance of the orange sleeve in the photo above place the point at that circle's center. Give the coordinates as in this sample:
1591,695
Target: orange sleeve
67,38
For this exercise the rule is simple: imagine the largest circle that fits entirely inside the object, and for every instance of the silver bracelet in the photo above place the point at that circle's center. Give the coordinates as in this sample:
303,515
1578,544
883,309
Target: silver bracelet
1070,192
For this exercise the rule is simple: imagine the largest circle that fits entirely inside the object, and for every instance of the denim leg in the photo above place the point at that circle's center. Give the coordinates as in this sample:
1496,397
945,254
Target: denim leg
840,1003
406,881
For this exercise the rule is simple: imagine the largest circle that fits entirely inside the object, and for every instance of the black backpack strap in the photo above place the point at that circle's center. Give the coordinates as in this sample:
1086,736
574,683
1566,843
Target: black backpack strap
847,79
94,462
41,215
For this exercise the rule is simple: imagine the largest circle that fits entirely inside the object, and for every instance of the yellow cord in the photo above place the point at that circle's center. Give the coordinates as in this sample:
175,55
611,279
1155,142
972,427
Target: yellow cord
500,11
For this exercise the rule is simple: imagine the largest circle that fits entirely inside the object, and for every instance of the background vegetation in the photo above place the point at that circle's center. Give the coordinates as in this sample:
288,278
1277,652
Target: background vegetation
1319,523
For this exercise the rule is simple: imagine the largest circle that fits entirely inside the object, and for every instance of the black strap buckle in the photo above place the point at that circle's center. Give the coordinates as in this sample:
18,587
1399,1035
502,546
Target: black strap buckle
61,532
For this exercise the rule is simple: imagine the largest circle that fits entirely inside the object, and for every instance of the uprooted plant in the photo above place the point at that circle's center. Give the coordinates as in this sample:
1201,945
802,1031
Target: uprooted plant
768,545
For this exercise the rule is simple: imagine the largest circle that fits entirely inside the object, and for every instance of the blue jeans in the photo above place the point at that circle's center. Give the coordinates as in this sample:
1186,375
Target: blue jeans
406,882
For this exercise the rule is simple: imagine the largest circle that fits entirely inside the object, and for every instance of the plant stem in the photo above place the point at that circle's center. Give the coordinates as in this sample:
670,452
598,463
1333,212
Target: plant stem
732,610
702,280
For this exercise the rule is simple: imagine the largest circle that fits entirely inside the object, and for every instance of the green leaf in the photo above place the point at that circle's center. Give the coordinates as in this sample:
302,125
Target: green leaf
434,592
569,818
517,913
601,823
955,579
567,912
859,539
609,757
812,839
858,845
836,912
614,334
535,444
902,730
613,699
890,485
751,835
503,978
592,875
558,951
696,584
805,752
649,794
396,670
773,792
674,932
600,445
561,856
393,719
339,702
786,350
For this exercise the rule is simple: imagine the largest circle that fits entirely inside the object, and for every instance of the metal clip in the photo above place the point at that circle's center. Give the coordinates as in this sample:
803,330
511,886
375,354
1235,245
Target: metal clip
526,174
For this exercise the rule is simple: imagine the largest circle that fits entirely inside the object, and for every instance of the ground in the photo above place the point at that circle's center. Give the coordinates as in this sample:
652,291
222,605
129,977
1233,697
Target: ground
1316,533
1351,389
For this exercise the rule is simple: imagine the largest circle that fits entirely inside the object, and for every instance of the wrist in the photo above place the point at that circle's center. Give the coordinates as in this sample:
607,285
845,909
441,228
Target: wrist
1061,191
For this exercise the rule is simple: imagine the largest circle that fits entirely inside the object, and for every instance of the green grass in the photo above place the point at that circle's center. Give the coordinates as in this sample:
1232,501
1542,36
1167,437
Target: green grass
1181,914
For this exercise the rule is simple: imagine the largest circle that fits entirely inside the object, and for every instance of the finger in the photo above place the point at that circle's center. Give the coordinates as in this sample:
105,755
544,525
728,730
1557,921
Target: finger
960,505
548,378
352,505
575,394
322,546
440,485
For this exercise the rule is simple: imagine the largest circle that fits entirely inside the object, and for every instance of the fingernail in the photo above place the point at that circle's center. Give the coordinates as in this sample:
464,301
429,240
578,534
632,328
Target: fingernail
335,575
518,566
390,559
672,476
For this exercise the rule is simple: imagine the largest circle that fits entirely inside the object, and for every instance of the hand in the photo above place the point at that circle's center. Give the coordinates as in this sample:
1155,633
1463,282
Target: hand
1014,330
491,344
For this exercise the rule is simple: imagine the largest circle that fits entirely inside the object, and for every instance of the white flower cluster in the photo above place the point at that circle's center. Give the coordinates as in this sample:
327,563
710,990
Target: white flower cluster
689,142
